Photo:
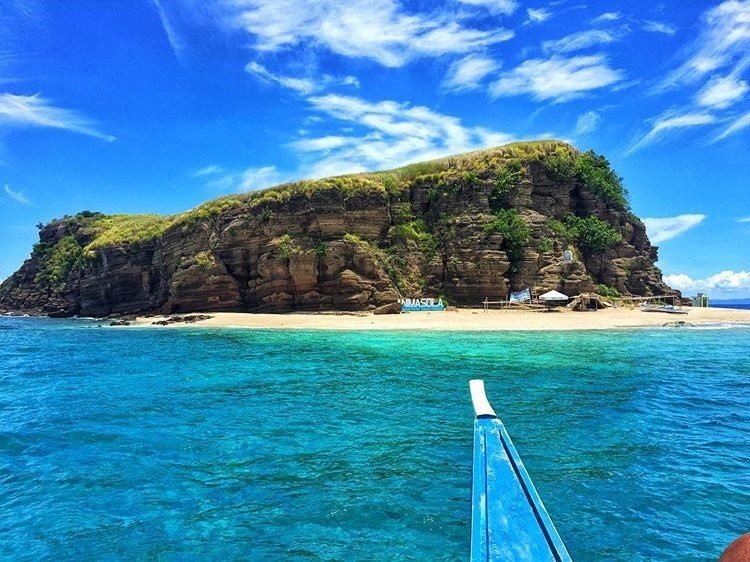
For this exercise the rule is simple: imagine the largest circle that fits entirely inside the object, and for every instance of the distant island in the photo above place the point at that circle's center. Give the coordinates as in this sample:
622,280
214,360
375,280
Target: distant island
462,228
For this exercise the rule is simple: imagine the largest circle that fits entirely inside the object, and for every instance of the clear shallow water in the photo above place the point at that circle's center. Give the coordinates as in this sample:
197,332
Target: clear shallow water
261,445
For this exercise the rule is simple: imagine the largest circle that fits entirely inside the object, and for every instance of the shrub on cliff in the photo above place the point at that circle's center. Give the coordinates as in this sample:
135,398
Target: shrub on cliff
57,262
591,234
505,180
593,171
607,291
598,176
514,230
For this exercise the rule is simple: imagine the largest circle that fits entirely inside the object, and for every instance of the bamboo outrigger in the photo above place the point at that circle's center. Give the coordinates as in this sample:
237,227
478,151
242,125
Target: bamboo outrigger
508,519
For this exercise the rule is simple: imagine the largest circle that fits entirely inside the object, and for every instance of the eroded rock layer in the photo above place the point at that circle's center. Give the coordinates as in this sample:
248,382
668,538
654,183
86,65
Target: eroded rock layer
468,227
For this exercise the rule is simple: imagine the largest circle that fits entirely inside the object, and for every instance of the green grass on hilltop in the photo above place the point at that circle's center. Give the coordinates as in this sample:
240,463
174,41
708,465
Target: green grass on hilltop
565,160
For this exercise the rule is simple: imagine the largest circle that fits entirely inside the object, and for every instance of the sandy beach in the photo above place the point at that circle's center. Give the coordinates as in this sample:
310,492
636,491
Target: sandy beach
464,320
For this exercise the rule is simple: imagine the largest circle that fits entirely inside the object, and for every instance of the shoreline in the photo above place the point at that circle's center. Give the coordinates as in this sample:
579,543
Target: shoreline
464,320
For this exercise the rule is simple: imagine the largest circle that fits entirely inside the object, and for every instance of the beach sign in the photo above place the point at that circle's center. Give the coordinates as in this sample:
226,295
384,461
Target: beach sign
421,305
520,296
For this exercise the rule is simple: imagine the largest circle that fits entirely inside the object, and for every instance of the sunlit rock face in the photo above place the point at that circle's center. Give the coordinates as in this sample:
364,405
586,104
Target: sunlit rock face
466,228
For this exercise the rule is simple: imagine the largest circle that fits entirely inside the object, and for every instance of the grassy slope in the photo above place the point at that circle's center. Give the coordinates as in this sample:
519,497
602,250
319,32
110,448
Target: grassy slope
113,230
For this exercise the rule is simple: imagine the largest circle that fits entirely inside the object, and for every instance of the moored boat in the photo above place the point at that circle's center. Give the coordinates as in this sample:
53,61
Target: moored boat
668,308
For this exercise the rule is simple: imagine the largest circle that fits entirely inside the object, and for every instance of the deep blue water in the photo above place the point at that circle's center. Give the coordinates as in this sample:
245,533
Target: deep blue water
262,445
739,305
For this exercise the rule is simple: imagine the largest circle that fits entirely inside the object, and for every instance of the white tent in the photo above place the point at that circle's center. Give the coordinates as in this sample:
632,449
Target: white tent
553,296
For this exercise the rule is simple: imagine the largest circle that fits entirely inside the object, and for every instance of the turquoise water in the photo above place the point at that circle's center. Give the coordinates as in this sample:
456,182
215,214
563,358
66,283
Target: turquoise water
196,444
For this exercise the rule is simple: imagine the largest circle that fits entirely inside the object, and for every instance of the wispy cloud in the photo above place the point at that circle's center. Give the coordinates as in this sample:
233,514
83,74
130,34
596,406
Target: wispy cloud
726,281
209,170
322,144
580,40
722,91
670,122
304,86
557,78
537,15
467,73
505,7
299,85
663,229
659,27
388,134
170,30
607,17
744,219
713,63
379,30
725,37
17,196
587,123
249,179
739,124
36,111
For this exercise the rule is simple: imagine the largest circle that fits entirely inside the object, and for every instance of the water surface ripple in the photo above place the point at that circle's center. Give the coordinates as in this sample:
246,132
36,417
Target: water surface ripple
269,445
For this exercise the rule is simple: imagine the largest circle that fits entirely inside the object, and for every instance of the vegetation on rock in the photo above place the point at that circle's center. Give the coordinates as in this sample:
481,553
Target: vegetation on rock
607,291
514,230
57,262
591,234
460,226
592,170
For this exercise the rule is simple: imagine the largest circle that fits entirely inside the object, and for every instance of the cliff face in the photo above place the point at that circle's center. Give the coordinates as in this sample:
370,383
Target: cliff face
468,227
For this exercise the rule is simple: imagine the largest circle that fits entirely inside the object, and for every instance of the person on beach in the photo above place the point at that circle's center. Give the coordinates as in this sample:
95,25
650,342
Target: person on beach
738,550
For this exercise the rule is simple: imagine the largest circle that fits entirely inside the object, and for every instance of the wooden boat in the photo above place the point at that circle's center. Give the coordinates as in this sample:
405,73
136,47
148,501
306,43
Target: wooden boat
508,519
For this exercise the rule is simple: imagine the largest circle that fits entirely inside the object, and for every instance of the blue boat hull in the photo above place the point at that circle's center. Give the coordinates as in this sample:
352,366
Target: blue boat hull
509,521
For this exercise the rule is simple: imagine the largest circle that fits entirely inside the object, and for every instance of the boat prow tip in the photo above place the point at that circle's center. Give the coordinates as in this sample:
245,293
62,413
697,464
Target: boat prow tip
479,400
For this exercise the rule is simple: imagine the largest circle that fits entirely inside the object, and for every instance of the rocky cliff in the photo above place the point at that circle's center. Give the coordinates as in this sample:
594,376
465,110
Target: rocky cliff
467,227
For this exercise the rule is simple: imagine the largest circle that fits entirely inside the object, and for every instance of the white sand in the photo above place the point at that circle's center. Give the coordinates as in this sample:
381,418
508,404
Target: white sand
465,319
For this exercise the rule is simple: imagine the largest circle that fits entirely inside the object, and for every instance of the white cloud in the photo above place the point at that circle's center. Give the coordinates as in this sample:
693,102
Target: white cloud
35,111
379,30
726,281
722,91
607,17
302,86
669,122
170,31
557,78
467,73
578,41
388,134
587,123
725,37
322,144
739,124
663,229
659,27
17,196
249,179
744,219
538,15
505,7
299,85
252,179
209,170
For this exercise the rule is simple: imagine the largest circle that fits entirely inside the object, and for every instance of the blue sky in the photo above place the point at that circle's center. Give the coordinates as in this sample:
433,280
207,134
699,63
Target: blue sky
157,105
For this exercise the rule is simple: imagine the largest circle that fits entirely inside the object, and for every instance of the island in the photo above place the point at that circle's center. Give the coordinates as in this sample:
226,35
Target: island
539,215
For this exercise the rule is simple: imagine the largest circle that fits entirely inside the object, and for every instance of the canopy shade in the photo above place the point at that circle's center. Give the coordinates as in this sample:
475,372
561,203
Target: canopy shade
553,296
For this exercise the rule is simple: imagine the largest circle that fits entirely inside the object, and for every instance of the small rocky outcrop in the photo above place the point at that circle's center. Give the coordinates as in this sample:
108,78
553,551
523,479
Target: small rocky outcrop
464,228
